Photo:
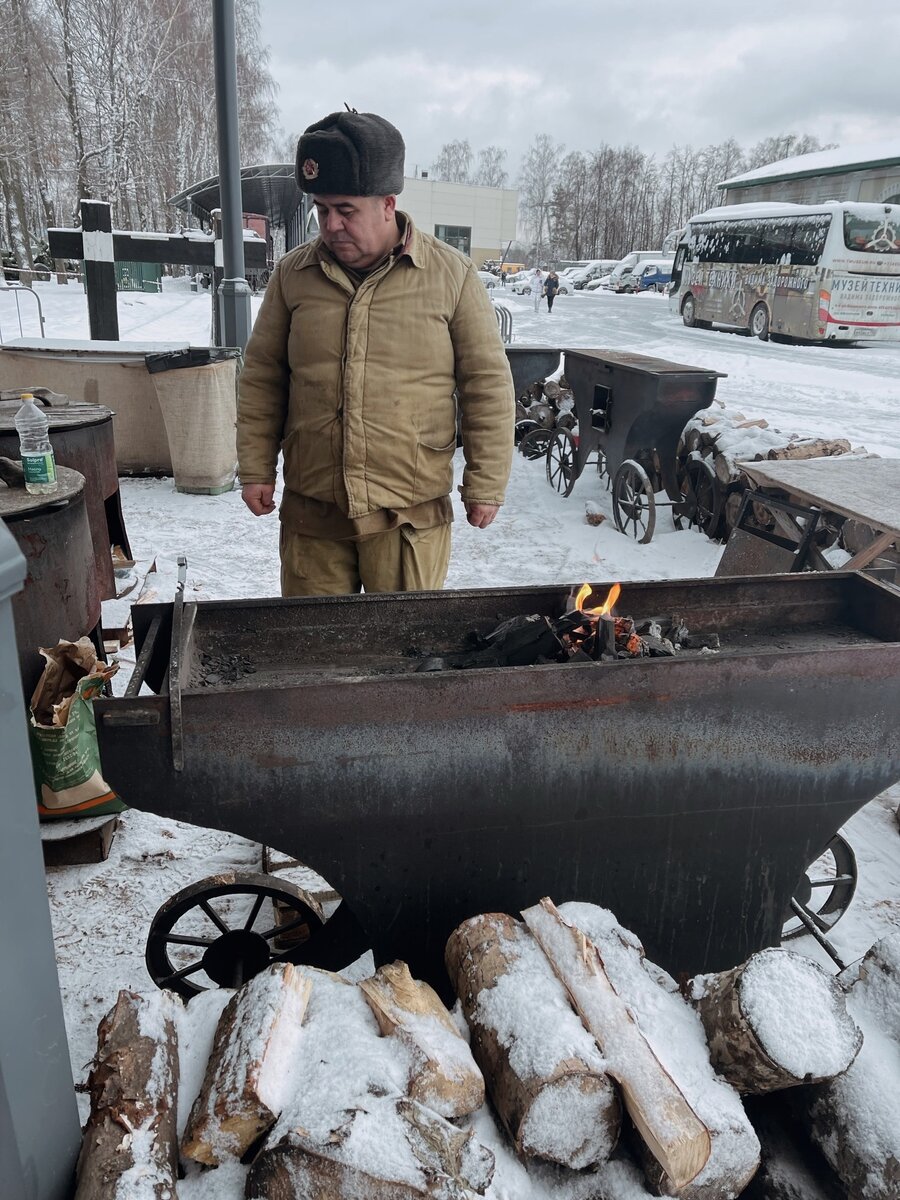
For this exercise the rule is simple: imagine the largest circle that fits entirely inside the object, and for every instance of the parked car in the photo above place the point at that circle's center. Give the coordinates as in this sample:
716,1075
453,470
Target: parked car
602,281
490,281
521,285
649,275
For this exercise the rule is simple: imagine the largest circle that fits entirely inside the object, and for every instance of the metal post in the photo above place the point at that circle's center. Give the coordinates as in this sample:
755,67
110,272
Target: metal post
99,270
39,1130
234,291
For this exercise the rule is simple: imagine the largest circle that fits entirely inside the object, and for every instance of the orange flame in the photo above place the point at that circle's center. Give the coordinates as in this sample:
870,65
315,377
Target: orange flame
607,605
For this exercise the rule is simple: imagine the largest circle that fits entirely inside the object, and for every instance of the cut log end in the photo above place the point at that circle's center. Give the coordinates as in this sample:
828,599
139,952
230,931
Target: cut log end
573,1120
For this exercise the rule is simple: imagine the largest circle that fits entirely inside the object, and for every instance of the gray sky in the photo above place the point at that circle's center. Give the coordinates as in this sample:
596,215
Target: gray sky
587,71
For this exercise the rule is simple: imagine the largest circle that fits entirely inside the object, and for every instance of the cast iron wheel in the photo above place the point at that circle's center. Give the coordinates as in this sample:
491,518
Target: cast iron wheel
603,469
634,505
759,322
229,949
835,870
534,444
702,497
561,462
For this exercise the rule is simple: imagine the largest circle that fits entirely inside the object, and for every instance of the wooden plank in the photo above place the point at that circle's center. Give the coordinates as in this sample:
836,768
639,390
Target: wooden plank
874,548
866,489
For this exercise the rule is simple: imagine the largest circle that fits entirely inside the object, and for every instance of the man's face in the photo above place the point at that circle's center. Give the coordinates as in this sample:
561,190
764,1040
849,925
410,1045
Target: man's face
358,230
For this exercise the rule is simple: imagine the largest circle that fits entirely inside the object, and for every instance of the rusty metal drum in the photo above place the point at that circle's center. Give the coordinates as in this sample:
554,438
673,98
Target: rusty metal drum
61,596
82,438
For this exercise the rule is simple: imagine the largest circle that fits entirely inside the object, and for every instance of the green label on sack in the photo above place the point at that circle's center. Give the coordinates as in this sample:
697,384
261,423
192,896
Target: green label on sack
39,468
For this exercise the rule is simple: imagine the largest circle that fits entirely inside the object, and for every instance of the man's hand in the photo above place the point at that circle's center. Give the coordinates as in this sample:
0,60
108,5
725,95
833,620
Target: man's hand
481,515
259,498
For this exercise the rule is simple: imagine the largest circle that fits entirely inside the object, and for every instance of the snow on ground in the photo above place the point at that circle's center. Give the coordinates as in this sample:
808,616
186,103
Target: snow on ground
101,913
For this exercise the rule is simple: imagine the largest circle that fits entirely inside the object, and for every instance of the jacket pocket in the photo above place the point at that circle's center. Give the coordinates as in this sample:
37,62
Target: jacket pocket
434,471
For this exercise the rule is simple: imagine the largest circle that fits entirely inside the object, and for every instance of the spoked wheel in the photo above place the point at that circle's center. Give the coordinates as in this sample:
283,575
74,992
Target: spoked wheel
634,505
825,890
702,497
534,444
561,462
221,932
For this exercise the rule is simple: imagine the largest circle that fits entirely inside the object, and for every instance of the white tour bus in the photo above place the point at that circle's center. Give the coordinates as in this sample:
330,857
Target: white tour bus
824,272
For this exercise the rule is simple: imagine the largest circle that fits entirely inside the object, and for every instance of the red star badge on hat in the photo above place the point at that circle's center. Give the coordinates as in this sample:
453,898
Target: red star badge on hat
310,168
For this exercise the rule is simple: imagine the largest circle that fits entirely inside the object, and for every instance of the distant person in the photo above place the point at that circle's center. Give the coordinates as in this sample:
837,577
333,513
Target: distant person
551,287
362,339
537,287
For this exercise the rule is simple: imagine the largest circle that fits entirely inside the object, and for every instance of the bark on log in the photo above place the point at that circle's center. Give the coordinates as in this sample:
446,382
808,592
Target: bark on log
675,1136
692,439
242,1092
726,469
130,1144
812,448
853,1118
445,1077
552,391
544,1074
393,1149
776,1021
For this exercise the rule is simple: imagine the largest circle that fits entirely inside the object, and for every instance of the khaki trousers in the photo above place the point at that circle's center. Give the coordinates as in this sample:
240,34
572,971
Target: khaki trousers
400,560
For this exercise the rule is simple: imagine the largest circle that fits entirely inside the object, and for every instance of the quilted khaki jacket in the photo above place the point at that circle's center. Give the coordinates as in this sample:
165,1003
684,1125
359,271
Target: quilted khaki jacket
356,385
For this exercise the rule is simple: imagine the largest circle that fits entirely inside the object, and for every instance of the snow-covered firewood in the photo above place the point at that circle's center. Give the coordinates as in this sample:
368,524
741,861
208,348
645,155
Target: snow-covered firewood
853,1118
810,448
674,1031
776,1021
444,1074
674,1134
243,1088
544,1073
389,1148
130,1145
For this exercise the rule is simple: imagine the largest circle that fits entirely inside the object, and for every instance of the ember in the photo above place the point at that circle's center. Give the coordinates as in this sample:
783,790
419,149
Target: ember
581,634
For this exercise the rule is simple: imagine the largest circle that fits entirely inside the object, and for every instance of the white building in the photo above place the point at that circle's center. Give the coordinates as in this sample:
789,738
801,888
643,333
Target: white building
867,172
479,221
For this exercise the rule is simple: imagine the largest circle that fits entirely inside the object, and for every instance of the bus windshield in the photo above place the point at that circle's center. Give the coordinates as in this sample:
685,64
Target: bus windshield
879,236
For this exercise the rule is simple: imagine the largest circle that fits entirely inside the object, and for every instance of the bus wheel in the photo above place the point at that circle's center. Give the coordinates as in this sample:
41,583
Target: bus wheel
759,323
689,311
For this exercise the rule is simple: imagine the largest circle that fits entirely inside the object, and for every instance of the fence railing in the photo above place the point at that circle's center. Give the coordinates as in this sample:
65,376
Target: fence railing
17,290
505,321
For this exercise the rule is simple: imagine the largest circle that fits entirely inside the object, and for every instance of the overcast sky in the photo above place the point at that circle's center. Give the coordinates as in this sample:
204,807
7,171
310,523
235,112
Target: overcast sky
650,72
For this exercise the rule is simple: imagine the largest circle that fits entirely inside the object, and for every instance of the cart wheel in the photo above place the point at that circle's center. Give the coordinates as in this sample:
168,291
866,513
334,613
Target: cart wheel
534,444
561,462
634,505
826,889
522,429
702,497
229,942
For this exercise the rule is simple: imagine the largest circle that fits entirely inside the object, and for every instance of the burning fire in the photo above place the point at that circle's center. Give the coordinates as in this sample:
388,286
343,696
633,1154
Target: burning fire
607,605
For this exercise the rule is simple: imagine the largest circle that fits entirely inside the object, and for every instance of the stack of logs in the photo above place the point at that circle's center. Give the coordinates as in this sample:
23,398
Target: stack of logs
323,1088
545,405
726,439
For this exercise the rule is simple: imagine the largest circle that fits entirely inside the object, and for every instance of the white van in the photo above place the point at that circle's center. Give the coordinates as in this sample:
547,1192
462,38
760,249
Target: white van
628,263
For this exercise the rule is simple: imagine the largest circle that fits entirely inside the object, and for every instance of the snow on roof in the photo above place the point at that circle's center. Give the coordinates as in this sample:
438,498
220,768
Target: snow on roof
823,162
774,208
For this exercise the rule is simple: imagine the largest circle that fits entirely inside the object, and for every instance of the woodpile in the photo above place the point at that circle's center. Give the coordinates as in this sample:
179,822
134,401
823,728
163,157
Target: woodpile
547,404
594,1062
725,440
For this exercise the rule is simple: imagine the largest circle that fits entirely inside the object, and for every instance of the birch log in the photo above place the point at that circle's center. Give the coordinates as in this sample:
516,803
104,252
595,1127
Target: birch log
391,1149
243,1088
544,1073
776,1021
675,1136
130,1144
444,1075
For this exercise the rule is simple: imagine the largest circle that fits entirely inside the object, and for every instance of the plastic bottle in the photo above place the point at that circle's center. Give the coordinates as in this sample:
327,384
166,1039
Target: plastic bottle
38,461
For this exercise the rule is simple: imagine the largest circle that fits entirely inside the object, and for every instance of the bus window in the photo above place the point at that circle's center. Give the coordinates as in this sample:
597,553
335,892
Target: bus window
775,244
878,236
808,242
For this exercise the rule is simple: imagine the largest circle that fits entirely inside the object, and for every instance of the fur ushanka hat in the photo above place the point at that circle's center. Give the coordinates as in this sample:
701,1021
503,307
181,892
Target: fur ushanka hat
351,154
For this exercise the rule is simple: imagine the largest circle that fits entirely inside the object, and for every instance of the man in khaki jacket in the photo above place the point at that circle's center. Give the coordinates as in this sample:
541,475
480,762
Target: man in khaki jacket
361,340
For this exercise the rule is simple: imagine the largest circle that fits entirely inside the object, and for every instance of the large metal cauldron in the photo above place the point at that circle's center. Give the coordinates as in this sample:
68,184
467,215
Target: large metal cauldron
687,794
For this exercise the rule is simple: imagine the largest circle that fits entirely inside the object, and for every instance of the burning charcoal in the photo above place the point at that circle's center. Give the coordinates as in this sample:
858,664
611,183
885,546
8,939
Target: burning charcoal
635,646
520,641
606,635
578,655
702,641
659,647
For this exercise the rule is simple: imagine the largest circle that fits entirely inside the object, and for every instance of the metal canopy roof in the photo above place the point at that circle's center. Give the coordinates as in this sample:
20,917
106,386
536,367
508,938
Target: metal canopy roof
269,189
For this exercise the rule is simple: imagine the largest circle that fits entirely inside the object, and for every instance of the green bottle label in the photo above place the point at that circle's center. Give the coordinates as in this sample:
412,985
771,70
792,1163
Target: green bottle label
39,468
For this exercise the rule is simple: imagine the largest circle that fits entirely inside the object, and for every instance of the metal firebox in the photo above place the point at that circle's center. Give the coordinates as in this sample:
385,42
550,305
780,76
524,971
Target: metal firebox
687,794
